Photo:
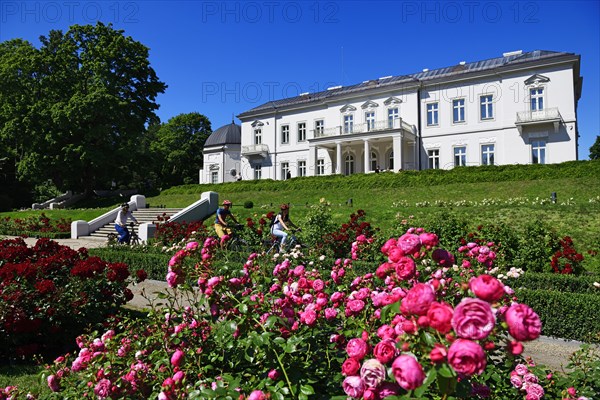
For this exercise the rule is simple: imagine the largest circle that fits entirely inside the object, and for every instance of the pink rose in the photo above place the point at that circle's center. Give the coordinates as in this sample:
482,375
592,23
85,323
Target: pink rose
523,323
177,358
487,288
273,374
438,354
516,381
521,369
473,319
350,367
372,373
257,395
409,243
191,246
408,372
102,388
355,306
387,389
385,351
357,348
53,383
388,245
417,300
318,285
405,268
466,357
330,313
534,391
428,239
440,317
353,386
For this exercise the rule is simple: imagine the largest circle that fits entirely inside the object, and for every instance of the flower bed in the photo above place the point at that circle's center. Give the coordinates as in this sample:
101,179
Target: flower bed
35,226
50,293
293,327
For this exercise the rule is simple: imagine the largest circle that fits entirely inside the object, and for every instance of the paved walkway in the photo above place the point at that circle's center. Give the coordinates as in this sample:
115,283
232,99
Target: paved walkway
551,352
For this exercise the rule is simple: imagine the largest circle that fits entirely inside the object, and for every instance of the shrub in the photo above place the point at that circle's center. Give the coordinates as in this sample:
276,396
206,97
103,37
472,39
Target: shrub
248,204
50,293
39,225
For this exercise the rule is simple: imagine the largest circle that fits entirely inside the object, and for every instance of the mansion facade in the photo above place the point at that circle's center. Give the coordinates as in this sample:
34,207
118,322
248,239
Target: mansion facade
520,108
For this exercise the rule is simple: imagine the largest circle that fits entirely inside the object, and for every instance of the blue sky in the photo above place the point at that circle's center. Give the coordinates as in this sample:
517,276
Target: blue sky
221,58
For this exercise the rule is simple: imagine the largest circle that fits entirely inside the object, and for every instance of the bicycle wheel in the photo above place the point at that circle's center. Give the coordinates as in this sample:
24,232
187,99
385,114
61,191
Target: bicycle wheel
135,241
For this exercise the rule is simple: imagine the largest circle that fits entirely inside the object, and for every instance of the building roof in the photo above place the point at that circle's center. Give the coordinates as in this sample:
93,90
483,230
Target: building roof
508,59
228,134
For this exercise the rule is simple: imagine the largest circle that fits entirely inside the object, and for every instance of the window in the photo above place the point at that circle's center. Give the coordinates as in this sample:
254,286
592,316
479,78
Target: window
302,131
370,120
393,118
258,136
487,106
319,127
460,156
285,170
537,99
320,166
432,114
348,123
538,152
374,164
391,161
257,171
302,168
285,134
349,164
458,110
214,177
487,154
434,158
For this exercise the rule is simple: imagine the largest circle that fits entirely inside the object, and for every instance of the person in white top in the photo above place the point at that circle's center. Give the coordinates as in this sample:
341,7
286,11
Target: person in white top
121,223
281,224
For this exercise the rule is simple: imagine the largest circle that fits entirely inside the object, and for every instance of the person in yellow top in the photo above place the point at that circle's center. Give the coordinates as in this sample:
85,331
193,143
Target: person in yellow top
221,227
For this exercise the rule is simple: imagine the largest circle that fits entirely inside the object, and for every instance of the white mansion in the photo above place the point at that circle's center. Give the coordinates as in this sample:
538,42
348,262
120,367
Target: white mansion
520,108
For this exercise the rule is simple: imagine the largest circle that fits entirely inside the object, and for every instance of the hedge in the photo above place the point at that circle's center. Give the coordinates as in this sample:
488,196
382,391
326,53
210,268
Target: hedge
565,315
34,234
580,284
155,264
431,177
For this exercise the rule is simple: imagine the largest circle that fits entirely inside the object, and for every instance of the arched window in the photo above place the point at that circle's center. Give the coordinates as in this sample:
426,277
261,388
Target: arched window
374,163
349,161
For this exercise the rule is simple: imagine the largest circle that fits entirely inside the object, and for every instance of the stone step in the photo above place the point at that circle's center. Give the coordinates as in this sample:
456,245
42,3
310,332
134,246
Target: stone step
144,215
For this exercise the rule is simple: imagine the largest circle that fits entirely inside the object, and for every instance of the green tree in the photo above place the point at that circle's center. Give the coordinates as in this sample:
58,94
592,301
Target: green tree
595,149
77,107
177,148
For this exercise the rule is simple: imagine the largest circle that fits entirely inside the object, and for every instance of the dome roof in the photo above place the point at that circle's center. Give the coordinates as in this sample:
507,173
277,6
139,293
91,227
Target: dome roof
228,134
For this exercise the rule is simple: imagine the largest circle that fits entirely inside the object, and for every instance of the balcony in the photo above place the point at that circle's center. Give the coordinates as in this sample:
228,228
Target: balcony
548,115
255,151
373,126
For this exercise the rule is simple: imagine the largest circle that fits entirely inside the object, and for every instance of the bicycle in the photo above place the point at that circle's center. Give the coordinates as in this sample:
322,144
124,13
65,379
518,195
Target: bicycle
235,242
134,239
291,242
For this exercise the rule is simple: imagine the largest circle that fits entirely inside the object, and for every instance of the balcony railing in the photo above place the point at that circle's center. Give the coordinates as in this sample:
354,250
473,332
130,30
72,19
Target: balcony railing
260,150
373,126
536,117
547,114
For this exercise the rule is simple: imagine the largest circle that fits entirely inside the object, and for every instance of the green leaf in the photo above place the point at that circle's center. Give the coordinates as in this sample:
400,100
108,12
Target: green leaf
307,389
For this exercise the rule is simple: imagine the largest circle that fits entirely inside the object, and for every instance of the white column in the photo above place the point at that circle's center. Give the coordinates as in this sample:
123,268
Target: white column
367,165
397,148
312,160
338,157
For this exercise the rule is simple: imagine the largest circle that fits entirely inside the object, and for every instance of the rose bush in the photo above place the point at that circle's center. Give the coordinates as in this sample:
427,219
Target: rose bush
49,293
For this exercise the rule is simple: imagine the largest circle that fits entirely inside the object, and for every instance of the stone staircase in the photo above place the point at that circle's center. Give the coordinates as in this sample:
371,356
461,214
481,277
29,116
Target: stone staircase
149,215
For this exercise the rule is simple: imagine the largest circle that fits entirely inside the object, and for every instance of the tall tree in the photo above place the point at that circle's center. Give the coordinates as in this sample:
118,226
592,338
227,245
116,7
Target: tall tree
79,105
595,149
177,147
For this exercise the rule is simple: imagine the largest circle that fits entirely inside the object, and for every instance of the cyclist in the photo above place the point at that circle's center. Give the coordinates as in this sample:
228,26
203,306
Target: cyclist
281,224
121,223
223,231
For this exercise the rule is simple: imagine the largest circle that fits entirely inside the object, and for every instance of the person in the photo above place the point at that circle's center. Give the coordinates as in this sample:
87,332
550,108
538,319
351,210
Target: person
121,223
288,175
223,231
282,224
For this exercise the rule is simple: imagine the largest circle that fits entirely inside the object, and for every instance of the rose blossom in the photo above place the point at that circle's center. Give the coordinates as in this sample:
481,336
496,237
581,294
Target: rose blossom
273,374
372,373
440,317
405,268
257,395
385,351
534,391
467,357
417,300
409,243
521,369
516,381
473,319
357,348
350,367
408,372
429,240
523,323
387,389
355,306
487,288
53,383
102,388
438,354
353,386
177,358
